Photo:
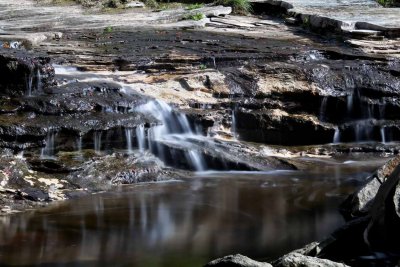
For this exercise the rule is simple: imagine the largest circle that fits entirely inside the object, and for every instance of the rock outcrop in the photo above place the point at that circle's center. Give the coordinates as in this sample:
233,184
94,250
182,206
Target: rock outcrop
236,261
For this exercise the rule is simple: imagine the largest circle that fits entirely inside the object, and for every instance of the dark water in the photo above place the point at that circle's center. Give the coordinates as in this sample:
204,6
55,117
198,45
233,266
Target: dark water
187,222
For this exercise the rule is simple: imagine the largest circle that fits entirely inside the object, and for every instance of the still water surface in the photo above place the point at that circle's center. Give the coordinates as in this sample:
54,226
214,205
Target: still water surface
186,222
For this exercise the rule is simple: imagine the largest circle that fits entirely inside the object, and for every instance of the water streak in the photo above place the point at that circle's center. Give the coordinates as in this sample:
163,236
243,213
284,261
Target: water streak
97,141
38,81
322,111
29,84
128,135
172,123
336,136
141,137
48,150
383,136
196,160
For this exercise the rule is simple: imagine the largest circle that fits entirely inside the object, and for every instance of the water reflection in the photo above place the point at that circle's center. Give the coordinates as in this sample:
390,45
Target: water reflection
185,223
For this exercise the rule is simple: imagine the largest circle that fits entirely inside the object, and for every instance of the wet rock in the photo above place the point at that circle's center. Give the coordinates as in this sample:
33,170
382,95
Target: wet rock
360,202
103,172
299,260
33,194
376,229
23,74
236,261
279,127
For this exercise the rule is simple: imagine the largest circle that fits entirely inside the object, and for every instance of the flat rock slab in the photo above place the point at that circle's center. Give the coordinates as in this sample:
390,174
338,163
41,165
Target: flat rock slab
350,14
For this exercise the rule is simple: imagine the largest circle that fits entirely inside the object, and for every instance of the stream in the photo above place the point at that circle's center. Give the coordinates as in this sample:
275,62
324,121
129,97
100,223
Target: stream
190,221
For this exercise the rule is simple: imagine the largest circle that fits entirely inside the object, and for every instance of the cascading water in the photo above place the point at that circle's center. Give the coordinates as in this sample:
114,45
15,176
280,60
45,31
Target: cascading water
48,151
141,137
336,136
128,135
322,112
383,135
38,80
29,84
172,124
97,141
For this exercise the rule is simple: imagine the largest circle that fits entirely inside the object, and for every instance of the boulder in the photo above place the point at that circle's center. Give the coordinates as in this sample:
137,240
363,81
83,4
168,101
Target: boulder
236,261
299,260
359,203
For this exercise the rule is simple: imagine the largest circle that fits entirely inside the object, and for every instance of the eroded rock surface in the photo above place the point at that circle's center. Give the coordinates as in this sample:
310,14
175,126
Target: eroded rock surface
236,261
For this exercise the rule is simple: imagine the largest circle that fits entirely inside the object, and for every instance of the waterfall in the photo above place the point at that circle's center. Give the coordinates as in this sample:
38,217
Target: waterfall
336,136
29,83
215,63
79,144
97,141
196,160
48,151
141,137
383,136
172,123
233,127
38,81
128,135
322,110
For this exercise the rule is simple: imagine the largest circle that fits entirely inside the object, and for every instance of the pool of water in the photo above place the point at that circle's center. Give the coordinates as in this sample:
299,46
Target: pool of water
187,222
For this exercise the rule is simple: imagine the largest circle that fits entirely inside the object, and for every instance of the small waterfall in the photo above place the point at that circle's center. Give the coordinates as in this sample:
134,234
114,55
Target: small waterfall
196,160
79,144
336,136
20,155
141,137
214,62
128,135
38,81
97,141
172,123
322,110
29,84
383,136
233,127
48,151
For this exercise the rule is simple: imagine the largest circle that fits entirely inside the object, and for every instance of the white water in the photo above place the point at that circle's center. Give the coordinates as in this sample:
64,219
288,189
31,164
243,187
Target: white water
97,141
29,84
336,136
233,127
383,136
173,124
322,111
128,135
196,160
141,137
38,81
48,150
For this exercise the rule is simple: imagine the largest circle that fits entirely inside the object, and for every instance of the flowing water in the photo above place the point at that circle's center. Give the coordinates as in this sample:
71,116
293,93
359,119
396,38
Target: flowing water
190,221
187,222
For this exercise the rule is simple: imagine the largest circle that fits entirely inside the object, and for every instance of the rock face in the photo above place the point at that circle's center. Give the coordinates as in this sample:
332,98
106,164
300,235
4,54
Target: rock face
23,74
236,261
299,260
359,203
373,220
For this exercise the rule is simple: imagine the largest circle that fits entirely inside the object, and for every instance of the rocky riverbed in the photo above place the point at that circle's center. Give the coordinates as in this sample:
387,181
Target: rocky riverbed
90,101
